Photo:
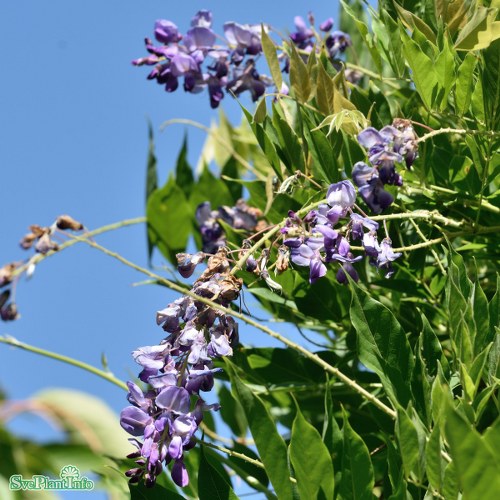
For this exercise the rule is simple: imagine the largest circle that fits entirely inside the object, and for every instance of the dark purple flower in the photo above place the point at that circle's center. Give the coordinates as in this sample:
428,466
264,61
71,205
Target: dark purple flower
303,36
180,474
344,270
370,187
337,42
327,24
186,263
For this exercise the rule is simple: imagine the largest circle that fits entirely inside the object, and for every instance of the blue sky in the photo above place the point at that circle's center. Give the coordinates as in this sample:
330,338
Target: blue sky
74,140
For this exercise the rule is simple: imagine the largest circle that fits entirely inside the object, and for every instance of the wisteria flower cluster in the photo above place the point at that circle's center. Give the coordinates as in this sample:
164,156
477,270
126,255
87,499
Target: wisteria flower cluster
385,148
241,216
166,416
201,63
313,241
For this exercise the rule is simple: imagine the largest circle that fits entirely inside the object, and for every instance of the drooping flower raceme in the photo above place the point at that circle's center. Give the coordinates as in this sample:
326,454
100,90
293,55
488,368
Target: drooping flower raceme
200,61
164,417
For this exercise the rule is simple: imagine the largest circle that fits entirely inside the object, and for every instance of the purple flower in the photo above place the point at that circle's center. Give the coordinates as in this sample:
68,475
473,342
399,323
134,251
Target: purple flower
202,18
308,254
303,36
243,37
167,32
247,79
370,187
327,24
134,420
341,197
344,270
186,263
337,42
386,257
180,474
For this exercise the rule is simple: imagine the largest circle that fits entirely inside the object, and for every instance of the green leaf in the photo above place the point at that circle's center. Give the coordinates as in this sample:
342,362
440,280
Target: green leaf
159,492
299,76
231,412
269,443
491,83
249,468
465,84
324,91
151,179
357,470
211,484
480,31
210,188
324,163
260,112
445,71
478,468
452,12
169,218
365,34
408,443
433,461
423,72
272,58
382,345
414,23
183,171
389,41
306,448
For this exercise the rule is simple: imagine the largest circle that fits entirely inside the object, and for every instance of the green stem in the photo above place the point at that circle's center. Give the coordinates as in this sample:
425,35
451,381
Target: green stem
100,230
256,324
64,359
460,131
433,216
435,241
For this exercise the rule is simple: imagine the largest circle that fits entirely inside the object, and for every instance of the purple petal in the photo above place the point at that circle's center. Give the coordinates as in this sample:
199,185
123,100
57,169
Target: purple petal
370,137
134,420
318,270
180,474
174,399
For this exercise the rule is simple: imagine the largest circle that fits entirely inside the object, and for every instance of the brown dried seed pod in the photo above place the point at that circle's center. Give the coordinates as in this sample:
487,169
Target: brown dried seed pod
67,222
6,273
27,241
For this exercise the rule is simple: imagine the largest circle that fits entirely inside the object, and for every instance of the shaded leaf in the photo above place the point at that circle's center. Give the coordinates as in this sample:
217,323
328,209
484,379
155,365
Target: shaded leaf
357,470
382,345
306,448
271,57
269,443
211,484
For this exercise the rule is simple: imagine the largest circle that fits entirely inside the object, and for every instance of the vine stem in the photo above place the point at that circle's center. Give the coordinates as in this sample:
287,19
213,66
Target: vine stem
308,354
64,359
222,142
460,131
95,232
